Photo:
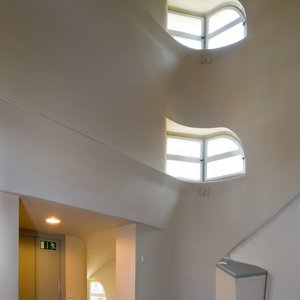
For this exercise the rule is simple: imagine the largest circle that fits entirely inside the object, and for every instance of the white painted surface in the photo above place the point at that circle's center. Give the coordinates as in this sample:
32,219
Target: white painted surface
226,286
276,248
58,164
9,232
244,288
251,288
54,60
126,263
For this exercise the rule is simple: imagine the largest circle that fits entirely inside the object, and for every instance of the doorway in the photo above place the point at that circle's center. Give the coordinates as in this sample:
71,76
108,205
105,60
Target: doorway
40,266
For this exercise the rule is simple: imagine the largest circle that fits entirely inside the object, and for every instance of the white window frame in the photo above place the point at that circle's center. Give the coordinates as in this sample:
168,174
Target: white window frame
175,33
205,36
241,19
182,158
203,160
228,154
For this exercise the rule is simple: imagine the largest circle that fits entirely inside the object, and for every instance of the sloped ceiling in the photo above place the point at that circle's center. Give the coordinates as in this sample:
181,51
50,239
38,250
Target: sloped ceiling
74,221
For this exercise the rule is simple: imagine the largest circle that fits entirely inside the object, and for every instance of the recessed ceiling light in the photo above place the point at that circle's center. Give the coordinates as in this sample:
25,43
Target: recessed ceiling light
53,220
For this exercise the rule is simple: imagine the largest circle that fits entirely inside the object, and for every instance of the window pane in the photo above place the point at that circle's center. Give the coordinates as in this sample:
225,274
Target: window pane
187,24
183,147
221,18
228,37
182,169
96,288
224,167
194,44
220,145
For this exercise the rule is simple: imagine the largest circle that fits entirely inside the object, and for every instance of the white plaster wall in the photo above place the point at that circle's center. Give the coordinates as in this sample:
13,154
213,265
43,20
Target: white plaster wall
76,268
9,232
153,264
41,158
126,263
91,66
70,62
156,9
226,286
251,288
251,88
276,248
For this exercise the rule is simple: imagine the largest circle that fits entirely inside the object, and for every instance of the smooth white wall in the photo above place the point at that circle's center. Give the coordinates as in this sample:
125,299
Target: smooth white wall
126,263
251,88
89,65
276,248
43,159
71,62
153,262
9,232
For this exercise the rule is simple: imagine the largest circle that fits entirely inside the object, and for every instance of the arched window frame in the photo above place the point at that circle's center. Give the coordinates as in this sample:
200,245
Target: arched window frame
199,39
206,36
225,155
241,19
203,160
99,295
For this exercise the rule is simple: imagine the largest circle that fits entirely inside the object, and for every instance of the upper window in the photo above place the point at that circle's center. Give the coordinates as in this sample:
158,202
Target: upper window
206,159
215,29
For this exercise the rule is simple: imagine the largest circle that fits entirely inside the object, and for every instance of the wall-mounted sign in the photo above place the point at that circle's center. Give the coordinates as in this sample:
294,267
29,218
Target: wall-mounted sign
48,245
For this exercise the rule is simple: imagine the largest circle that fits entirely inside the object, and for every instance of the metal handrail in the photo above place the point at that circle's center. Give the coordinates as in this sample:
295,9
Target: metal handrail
263,224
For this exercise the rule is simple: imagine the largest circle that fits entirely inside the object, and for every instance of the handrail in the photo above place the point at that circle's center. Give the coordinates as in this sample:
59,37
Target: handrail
263,224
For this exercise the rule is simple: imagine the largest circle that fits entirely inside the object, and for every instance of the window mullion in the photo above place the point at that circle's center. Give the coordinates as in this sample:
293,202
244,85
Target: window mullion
204,160
183,158
226,27
224,155
185,35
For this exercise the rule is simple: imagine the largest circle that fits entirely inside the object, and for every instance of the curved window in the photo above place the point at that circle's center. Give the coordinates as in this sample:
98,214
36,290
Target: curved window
215,29
224,157
225,27
206,159
96,291
186,29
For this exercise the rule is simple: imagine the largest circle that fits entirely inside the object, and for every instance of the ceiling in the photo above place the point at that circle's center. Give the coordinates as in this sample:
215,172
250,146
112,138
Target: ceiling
200,6
74,221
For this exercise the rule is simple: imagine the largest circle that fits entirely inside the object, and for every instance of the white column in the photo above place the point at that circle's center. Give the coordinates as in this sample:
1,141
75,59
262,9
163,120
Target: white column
9,246
126,262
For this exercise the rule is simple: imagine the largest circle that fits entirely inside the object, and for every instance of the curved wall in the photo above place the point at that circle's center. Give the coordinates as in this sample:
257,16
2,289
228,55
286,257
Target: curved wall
253,89
90,66
102,70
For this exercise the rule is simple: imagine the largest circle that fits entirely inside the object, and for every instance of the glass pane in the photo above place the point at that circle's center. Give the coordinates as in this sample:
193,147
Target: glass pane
187,24
228,37
97,298
97,288
225,167
221,18
182,169
184,147
194,44
220,145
